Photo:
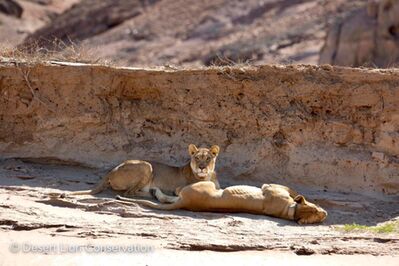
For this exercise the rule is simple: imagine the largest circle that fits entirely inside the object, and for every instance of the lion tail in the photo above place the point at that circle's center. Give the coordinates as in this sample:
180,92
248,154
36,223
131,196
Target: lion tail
100,187
160,206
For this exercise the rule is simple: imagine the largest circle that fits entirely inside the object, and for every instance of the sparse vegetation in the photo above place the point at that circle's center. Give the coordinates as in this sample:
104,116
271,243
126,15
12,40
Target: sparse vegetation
389,227
70,52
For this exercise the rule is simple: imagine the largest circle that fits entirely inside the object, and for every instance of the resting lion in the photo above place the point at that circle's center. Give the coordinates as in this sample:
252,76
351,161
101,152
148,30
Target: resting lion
274,200
141,178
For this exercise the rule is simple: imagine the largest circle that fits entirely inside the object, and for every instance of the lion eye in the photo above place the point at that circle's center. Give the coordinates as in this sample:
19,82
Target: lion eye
208,159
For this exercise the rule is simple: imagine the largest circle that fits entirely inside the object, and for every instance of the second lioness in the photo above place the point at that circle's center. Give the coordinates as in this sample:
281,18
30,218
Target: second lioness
141,178
271,199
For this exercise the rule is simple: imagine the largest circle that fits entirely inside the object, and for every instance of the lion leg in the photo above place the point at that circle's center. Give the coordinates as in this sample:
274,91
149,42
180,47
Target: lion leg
133,188
177,191
161,206
133,192
292,192
141,189
216,181
162,197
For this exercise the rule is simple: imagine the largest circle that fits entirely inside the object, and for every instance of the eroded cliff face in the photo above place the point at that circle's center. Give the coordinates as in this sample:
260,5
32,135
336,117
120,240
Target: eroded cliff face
335,128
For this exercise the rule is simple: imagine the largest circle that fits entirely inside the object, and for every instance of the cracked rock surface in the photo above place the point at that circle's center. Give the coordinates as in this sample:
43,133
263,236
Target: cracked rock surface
26,208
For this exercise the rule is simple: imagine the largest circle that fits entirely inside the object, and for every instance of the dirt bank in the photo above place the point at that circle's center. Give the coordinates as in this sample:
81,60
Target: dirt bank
325,127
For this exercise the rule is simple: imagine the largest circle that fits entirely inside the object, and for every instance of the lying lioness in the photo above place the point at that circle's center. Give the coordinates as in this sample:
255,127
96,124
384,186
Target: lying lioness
141,178
271,199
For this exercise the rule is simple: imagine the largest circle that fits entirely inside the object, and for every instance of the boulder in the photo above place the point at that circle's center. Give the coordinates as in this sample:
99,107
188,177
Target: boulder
367,37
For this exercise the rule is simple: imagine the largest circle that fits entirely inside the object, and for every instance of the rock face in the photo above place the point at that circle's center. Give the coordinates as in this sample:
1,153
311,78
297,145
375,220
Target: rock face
366,37
10,7
328,127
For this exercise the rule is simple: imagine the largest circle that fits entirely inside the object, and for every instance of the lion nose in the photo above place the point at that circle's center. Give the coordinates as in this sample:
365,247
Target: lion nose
202,167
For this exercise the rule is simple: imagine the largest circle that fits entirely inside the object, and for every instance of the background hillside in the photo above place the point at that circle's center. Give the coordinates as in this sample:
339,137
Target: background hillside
195,33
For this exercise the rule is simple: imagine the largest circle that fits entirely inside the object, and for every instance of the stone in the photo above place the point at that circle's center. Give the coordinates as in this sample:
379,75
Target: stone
365,37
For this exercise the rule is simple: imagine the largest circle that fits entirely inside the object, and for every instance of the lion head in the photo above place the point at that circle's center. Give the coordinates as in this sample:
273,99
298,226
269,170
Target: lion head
308,213
203,161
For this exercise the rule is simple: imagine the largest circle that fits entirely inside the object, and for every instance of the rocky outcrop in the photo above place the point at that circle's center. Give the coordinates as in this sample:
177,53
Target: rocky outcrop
330,127
11,7
368,37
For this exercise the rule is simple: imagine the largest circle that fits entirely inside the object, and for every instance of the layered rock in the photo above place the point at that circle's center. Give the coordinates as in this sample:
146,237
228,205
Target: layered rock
330,127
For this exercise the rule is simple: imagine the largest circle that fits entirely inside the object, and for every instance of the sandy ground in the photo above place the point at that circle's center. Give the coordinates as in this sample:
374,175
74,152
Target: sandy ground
30,222
157,255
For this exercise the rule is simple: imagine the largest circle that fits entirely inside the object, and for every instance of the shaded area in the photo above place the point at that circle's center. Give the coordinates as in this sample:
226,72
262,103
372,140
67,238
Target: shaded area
322,127
10,7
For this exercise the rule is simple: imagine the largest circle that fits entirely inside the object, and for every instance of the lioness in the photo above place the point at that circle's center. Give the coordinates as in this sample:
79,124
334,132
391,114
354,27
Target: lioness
141,178
274,200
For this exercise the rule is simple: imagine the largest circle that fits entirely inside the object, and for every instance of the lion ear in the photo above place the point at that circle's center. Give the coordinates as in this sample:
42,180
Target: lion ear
192,149
299,199
215,150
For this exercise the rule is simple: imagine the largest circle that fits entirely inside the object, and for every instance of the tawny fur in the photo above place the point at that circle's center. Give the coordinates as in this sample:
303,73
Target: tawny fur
272,199
141,178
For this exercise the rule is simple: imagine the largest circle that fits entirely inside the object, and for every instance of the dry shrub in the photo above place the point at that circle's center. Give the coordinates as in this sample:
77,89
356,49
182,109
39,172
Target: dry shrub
64,52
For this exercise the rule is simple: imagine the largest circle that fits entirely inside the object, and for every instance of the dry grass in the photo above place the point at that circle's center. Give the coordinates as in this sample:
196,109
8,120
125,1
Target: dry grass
71,52
63,52
388,227
223,61
25,57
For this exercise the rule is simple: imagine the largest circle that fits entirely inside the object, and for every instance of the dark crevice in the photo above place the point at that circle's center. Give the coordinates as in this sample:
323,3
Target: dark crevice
394,31
15,226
